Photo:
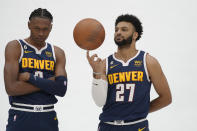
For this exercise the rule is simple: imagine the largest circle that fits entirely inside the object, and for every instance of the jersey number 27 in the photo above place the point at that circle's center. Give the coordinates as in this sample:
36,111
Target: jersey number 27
120,89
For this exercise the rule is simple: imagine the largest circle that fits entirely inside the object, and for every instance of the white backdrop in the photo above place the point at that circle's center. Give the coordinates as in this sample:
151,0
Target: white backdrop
169,35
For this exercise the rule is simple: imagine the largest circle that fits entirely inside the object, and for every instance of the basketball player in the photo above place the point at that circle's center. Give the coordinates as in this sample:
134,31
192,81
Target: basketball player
122,81
34,74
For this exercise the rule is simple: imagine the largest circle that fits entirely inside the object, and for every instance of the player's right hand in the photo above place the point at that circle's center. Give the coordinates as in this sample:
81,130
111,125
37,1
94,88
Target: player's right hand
95,62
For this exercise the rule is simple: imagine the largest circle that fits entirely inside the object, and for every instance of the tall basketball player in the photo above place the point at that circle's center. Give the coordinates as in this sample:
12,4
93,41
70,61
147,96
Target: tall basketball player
34,74
122,81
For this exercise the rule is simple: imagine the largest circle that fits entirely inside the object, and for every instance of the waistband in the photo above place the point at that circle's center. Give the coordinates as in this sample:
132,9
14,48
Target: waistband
124,122
32,108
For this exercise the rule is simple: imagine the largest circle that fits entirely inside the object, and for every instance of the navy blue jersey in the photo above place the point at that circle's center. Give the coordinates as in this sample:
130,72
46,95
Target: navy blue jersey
40,63
128,95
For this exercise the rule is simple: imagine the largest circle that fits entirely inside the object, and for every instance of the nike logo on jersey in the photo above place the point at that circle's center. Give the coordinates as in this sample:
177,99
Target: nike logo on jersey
141,129
28,51
111,67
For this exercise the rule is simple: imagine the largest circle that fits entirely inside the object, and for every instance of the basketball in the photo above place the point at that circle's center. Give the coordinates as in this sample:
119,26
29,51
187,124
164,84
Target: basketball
89,34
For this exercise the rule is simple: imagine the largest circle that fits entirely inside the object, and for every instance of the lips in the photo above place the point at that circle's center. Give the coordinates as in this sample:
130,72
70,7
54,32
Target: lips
40,39
119,38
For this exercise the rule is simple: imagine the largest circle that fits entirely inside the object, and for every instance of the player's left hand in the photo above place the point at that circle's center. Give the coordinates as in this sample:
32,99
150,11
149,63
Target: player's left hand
24,76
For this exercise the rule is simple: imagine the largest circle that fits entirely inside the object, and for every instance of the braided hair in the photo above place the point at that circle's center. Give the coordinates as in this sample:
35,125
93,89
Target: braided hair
42,13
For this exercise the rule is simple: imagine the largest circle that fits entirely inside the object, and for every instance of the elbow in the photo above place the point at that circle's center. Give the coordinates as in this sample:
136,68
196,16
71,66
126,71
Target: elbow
62,92
99,101
10,93
62,86
10,90
169,101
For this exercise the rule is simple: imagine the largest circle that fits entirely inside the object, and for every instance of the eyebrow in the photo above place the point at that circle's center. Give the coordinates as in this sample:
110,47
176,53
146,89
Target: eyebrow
122,27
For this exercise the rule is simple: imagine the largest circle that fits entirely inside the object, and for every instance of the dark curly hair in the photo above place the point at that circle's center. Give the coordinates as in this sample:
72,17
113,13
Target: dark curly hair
43,13
133,20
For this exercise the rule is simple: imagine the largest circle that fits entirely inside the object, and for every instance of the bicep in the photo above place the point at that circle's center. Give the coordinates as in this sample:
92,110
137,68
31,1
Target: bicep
157,76
60,63
11,67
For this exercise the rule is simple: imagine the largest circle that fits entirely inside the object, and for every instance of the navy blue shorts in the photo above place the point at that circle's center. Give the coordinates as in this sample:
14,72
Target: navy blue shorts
32,121
142,126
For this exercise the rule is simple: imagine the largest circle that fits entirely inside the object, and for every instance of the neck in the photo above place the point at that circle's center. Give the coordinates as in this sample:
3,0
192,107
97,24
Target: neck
34,43
126,52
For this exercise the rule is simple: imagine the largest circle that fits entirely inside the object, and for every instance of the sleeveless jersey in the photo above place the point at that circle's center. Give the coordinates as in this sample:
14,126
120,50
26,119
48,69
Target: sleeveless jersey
40,63
128,95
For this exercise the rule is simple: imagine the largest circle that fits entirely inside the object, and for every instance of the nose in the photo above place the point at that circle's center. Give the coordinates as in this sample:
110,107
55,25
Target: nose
118,33
41,33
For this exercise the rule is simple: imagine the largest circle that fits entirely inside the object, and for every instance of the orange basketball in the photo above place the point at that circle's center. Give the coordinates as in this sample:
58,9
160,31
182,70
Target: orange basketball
89,34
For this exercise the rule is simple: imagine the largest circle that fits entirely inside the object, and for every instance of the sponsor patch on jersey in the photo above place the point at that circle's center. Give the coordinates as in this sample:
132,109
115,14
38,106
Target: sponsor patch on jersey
27,51
137,63
48,54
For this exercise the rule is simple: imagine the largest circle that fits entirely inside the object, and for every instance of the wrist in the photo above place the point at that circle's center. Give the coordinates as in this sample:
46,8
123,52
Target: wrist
97,73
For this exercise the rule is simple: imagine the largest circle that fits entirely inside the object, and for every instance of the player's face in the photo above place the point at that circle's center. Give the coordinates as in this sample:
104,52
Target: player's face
123,33
40,29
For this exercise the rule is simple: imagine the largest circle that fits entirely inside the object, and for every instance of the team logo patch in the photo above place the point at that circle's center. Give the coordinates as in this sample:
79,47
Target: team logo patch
38,108
138,63
48,54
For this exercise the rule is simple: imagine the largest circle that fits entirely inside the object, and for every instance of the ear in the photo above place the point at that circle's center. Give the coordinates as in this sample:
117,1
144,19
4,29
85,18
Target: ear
51,27
29,24
135,35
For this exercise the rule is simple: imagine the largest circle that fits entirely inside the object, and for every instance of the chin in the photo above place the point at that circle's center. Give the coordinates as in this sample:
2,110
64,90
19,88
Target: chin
40,41
122,44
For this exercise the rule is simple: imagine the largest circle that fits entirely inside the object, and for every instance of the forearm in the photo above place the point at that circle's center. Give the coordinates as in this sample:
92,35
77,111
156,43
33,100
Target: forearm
57,87
159,103
99,91
20,88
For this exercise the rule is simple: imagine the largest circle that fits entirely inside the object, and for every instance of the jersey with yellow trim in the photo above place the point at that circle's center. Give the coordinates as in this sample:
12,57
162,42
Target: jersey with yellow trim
128,95
40,63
